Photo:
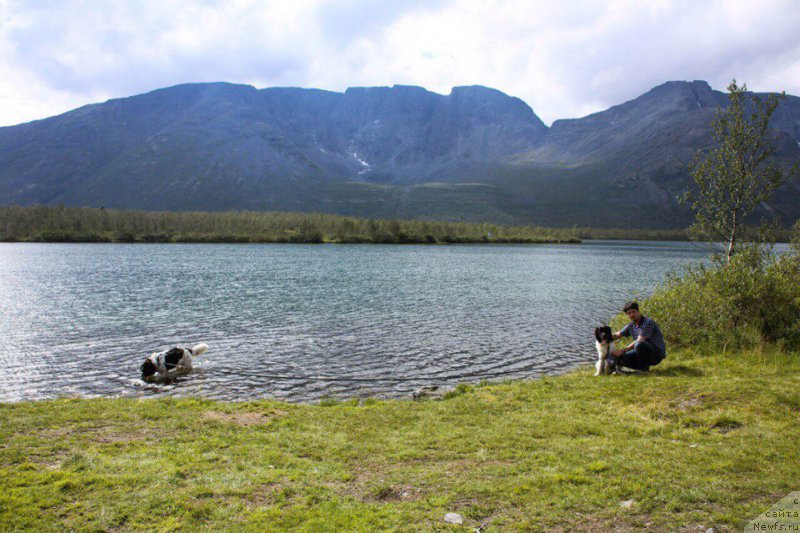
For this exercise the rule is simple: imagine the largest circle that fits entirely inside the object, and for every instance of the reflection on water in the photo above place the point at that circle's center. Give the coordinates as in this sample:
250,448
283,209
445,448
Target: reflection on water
78,319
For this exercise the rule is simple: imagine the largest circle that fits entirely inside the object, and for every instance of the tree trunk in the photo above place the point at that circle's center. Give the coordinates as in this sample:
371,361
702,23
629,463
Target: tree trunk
731,240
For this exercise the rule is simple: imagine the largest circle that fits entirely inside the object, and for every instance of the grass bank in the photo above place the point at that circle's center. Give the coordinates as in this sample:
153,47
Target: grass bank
708,440
86,224
674,234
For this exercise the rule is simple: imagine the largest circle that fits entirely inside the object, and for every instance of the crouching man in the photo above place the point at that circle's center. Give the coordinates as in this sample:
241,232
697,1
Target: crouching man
648,348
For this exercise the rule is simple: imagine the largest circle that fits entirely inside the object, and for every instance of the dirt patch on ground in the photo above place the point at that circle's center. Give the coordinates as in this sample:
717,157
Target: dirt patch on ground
52,462
677,407
370,483
125,436
387,493
694,401
268,494
244,419
58,433
60,443
380,482
102,435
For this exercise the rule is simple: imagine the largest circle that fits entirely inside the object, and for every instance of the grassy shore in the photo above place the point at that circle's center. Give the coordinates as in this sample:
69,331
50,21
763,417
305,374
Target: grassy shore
86,224
675,234
701,440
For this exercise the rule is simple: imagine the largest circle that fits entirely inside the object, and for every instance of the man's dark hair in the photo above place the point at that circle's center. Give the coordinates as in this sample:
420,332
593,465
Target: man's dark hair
629,306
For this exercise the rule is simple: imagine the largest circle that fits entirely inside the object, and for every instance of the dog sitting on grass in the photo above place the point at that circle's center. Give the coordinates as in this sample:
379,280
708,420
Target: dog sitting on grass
168,364
603,340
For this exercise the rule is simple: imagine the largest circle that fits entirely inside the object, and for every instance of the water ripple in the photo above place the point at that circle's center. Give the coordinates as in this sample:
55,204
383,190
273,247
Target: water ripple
78,319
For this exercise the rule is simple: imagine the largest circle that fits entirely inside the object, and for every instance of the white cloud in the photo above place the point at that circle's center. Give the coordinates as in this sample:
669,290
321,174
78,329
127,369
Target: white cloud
565,59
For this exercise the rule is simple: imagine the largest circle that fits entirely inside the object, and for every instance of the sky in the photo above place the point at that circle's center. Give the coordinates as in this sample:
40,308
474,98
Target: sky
565,58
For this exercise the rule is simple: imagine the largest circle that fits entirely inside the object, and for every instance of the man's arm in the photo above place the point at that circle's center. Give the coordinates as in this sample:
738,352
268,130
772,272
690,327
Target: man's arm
617,353
624,332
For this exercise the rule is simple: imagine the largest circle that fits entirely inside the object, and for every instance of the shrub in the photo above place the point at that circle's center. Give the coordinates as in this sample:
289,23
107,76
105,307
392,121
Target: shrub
753,299
124,237
156,237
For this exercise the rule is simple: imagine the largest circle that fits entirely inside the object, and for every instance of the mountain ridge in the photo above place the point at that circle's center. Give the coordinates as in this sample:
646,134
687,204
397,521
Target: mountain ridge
401,151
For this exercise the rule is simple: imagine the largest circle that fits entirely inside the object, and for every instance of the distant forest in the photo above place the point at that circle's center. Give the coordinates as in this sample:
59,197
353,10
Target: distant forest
85,224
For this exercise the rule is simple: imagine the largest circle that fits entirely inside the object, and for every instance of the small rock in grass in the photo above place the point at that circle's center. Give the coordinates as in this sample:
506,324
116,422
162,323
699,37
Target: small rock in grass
453,518
693,446
627,504
427,391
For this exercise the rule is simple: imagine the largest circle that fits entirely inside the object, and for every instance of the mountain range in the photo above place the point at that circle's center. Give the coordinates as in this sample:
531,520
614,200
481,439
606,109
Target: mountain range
476,154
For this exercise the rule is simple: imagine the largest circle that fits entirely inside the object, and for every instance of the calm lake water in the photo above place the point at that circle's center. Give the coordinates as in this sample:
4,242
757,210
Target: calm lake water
78,319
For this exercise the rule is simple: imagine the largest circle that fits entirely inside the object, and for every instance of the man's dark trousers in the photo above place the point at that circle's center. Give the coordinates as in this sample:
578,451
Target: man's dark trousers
641,357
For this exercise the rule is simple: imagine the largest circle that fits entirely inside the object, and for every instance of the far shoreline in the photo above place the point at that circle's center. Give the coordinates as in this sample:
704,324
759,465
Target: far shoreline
412,243
60,224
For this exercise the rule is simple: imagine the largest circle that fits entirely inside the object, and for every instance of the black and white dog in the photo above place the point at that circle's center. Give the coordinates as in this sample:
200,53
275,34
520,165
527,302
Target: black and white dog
603,341
170,363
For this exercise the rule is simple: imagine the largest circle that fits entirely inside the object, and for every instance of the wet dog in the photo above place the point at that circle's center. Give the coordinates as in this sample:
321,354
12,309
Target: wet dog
603,341
168,364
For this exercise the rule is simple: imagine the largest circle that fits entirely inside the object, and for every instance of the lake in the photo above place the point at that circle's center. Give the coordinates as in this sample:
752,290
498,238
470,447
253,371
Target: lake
370,320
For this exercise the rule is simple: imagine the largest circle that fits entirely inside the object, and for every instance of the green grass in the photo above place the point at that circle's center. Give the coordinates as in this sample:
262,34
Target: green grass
674,234
701,440
86,224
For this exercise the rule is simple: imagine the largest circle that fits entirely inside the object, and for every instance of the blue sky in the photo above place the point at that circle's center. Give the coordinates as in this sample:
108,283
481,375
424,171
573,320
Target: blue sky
564,58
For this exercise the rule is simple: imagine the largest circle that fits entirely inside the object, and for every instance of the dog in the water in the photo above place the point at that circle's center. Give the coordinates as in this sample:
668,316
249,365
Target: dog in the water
603,341
168,364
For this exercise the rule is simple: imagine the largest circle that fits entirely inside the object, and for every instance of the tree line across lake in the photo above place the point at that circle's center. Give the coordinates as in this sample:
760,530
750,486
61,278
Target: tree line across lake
86,224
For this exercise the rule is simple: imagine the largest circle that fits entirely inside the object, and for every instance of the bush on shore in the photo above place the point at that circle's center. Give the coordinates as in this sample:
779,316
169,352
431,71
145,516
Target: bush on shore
752,300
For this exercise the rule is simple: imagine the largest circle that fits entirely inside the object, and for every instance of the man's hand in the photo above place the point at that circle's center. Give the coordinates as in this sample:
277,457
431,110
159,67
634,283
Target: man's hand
617,353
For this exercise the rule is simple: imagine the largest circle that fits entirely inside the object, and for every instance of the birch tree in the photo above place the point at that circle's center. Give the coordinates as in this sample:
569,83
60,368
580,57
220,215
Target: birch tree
736,174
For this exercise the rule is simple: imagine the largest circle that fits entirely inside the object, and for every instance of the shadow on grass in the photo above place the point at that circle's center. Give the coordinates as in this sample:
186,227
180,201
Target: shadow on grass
677,370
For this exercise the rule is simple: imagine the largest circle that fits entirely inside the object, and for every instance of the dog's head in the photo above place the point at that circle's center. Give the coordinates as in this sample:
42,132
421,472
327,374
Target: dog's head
603,335
147,368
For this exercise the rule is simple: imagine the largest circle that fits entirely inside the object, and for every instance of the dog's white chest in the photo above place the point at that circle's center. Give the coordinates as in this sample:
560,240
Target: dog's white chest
601,366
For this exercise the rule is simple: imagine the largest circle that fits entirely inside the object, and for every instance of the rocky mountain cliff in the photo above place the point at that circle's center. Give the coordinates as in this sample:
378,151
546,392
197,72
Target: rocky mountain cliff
630,161
475,154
